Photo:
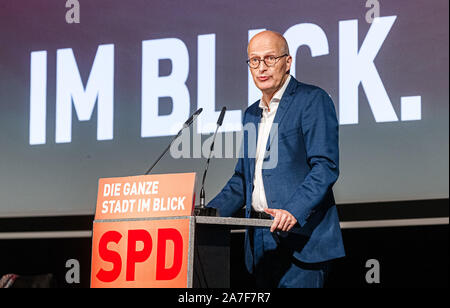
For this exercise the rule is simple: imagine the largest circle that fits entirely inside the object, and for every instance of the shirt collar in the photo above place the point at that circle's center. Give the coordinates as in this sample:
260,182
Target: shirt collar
277,96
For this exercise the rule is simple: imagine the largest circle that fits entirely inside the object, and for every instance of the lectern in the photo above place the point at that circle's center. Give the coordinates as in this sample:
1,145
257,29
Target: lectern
145,235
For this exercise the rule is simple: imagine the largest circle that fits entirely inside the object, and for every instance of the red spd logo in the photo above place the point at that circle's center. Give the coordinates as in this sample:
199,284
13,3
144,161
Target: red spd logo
150,253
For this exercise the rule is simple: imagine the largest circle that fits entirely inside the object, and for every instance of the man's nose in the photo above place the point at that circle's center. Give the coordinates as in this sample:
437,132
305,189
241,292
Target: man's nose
262,66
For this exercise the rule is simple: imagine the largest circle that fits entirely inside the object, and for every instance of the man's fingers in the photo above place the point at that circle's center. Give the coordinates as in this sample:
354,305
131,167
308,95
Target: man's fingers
283,220
290,225
284,223
276,221
290,222
270,212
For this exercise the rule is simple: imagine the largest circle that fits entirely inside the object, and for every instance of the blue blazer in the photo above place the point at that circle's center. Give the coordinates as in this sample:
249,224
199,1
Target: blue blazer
301,181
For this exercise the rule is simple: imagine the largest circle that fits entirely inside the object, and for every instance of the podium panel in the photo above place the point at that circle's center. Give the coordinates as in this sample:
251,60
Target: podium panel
149,253
211,268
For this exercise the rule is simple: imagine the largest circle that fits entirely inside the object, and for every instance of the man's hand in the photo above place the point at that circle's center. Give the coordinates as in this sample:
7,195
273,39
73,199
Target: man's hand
283,220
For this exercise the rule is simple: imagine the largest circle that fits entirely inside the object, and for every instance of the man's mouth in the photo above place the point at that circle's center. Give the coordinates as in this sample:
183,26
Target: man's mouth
263,78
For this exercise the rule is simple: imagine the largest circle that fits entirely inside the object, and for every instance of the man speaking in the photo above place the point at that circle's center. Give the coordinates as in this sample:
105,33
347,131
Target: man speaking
297,193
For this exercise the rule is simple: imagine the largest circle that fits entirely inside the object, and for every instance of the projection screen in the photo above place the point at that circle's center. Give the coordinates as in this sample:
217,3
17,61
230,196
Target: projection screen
102,95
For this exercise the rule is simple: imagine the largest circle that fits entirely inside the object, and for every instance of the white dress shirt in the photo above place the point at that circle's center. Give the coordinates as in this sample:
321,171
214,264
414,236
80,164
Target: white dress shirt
259,201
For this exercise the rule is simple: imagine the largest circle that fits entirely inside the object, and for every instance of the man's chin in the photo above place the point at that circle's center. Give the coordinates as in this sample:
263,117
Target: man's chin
264,86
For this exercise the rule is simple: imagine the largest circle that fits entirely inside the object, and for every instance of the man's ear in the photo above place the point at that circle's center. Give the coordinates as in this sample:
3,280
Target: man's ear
288,64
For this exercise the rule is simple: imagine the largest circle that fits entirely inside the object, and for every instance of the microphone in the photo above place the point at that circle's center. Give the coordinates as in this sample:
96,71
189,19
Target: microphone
192,118
185,125
221,116
202,191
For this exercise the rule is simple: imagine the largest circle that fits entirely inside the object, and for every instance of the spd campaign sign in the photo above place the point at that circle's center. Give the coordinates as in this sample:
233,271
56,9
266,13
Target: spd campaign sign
143,231
159,195
141,254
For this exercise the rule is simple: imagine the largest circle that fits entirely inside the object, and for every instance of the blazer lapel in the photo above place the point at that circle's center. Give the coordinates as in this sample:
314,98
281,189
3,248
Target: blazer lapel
256,119
283,107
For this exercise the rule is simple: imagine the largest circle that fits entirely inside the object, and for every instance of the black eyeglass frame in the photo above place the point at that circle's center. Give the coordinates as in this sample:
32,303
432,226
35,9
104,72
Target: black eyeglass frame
264,60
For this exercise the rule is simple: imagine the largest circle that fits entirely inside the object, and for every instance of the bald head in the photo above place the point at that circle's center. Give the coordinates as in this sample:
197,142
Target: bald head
269,38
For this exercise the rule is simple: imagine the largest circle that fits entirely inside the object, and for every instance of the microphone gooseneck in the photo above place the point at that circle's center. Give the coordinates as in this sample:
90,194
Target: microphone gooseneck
202,190
185,125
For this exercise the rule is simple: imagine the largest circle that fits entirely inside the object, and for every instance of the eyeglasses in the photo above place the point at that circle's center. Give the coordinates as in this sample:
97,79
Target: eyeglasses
268,61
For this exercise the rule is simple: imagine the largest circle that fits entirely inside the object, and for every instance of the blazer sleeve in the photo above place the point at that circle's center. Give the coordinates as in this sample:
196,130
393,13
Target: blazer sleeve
320,135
